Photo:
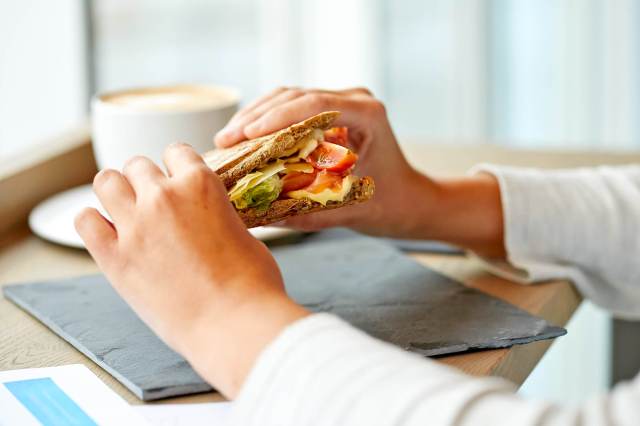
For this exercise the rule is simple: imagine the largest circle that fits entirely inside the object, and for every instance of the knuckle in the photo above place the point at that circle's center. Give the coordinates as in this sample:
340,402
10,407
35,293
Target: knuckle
177,146
296,93
318,100
174,148
198,174
203,180
159,195
103,176
376,108
248,118
82,217
134,162
202,183
216,183
363,90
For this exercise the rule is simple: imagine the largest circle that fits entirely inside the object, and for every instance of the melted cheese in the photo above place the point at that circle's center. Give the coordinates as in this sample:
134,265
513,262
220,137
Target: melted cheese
327,194
304,147
299,167
311,145
253,179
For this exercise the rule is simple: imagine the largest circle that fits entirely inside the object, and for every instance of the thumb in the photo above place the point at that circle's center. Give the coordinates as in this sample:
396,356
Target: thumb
344,216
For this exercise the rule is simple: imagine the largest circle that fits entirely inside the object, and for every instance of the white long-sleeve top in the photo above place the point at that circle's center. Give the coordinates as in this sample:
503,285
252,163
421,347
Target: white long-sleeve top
583,225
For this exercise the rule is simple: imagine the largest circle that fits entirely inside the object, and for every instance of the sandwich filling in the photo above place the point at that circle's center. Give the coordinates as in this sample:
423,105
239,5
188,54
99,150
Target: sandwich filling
317,168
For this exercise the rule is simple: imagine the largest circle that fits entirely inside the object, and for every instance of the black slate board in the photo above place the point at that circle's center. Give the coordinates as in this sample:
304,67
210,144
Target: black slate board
364,281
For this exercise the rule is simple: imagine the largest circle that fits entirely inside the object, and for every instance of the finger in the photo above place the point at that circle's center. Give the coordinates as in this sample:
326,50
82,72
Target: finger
280,99
115,193
261,100
320,220
352,91
358,91
180,157
295,111
98,233
187,166
142,173
235,132
289,93
308,223
230,134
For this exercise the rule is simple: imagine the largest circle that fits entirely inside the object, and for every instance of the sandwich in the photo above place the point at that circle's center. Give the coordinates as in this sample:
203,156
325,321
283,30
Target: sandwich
304,168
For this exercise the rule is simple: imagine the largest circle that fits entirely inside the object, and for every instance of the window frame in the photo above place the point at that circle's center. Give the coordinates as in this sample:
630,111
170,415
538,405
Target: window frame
56,163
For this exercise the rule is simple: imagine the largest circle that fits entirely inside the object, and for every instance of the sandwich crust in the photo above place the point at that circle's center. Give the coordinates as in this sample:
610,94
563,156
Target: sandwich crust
232,164
362,190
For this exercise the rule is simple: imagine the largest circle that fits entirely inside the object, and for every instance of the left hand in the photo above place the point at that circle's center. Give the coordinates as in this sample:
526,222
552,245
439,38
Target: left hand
179,254
407,204
370,136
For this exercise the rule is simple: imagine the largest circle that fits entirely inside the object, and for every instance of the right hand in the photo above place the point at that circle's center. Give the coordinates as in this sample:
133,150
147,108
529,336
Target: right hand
178,253
398,185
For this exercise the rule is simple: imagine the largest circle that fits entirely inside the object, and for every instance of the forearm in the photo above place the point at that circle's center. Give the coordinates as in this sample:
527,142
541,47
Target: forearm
465,211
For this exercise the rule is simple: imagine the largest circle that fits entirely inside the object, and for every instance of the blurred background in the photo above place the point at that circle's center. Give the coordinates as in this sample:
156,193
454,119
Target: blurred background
561,74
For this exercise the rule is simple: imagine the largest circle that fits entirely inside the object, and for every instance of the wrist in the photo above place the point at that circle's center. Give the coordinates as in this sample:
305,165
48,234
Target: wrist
466,212
469,214
408,211
224,344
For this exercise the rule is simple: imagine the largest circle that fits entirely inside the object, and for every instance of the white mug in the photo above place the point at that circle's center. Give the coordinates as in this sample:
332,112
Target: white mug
144,121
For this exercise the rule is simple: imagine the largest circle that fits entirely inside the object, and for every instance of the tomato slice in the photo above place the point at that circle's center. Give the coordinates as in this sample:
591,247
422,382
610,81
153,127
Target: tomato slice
297,180
324,180
332,157
337,135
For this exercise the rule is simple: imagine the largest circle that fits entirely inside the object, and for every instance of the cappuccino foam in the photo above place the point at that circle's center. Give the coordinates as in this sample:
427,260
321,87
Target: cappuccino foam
173,98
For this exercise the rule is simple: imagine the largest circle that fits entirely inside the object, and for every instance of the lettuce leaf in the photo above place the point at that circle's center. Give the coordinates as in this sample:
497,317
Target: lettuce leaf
260,196
255,178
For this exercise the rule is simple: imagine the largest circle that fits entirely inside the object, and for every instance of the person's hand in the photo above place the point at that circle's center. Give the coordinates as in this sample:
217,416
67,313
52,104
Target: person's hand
370,136
406,204
179,254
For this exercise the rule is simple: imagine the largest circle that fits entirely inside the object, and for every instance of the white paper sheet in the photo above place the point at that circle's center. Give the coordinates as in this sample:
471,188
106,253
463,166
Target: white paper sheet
205,414
70,394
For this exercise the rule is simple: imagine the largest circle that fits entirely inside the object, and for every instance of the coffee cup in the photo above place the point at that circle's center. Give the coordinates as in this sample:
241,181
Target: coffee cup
144,121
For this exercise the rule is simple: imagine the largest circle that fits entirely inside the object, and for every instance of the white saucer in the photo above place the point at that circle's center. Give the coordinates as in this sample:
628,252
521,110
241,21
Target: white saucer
53,218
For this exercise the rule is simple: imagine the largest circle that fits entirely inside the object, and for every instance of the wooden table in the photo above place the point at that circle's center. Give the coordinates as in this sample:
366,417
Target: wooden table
24,342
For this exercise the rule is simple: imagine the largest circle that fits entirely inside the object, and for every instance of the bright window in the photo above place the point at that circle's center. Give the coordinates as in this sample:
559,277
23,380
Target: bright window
528,73
43,78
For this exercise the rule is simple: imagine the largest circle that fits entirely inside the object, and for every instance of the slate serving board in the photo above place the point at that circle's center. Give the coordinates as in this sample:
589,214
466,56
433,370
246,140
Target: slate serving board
368,283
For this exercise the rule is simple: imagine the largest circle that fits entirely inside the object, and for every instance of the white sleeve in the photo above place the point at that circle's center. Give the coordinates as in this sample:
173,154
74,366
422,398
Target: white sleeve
322,371
581,224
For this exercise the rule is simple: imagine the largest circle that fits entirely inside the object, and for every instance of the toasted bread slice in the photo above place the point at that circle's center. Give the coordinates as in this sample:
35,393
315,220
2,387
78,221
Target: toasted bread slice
232,164
362,190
